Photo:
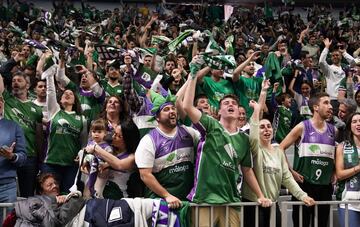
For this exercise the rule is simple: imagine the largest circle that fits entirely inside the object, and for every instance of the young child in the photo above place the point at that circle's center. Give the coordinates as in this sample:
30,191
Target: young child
283,115
96,183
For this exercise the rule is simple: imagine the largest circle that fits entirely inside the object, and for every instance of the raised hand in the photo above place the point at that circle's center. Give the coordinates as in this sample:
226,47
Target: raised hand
327,42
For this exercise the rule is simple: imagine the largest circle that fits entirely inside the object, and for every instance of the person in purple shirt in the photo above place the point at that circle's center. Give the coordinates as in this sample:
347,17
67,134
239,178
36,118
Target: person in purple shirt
165,156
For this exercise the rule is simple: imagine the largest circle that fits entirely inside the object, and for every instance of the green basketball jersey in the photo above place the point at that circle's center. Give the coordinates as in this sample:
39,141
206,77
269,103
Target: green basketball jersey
90,105
111,90
282,123
248,89
315,153
217,167
64,138
26,114
216,90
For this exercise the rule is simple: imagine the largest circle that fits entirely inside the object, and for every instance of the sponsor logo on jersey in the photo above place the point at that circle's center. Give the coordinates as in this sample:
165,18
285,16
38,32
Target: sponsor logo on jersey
228,165
85,107
230,150
314,148
23,119
319,162
177,169
66,128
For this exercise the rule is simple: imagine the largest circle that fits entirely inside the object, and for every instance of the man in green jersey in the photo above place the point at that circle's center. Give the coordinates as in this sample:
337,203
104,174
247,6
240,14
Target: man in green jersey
214,86
313,167
24,112
222,148
91,95
246,86
111,83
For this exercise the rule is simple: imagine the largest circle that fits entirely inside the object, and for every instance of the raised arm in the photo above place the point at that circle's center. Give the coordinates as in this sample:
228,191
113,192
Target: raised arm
292,83
179,101
322,60
2,87
201,73
51,101
134,101
240,68
193,113
118,164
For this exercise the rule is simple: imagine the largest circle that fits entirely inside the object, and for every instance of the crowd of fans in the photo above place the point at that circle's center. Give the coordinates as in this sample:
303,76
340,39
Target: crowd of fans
174,102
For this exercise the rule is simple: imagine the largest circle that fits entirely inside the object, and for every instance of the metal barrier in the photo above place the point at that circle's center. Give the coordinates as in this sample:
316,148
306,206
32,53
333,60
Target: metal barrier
285,204
240,205
3,207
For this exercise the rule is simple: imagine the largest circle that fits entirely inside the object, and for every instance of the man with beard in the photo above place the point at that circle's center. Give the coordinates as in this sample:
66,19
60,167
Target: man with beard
246,86
165,155
112,85
24,112
313,167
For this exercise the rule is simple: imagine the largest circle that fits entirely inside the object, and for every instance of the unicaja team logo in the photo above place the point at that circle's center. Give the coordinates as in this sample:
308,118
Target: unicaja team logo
314,148
171,157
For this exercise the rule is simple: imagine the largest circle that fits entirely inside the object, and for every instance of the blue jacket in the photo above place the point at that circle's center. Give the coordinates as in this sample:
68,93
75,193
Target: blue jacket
11,132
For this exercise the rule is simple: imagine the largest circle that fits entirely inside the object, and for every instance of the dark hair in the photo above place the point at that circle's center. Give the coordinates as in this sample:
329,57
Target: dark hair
76,106
281,98
349,135
20,73
200,96
231,96
314,100
303,54
41,179
35,83
124,108
99,125
131,135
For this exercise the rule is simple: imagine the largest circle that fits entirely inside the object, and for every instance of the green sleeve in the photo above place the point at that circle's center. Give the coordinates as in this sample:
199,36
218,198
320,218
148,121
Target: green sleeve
247,160
72,86
207,122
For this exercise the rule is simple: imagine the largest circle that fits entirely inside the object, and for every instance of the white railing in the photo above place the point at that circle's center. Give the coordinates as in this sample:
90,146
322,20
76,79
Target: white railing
286,204
240,206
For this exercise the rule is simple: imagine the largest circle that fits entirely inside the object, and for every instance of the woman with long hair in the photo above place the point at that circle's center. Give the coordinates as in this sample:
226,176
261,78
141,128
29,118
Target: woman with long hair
115,110
66,127
270,166
122,174
347,168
